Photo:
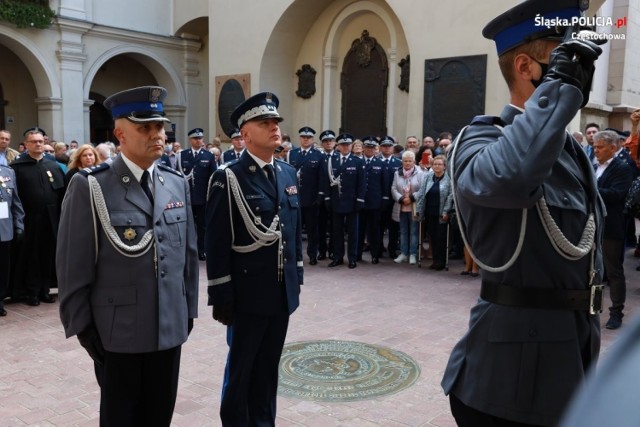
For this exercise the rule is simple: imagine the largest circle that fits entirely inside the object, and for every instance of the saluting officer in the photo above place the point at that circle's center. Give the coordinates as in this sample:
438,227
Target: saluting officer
344,190
236,149
128,267
391,164
254,262
308,162
197,165
528,206
377,196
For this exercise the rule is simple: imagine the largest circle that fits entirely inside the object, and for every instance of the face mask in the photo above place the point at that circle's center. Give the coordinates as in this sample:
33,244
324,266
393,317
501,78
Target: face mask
544,68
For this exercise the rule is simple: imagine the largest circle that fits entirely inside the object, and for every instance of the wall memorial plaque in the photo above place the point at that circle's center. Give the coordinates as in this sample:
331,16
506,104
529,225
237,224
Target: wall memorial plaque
231,92
454,92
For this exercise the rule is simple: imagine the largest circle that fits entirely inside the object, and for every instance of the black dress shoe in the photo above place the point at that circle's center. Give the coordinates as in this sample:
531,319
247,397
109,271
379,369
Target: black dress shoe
335,263
352,264
48,299
321,257
202,257
313,261
375,260
33,301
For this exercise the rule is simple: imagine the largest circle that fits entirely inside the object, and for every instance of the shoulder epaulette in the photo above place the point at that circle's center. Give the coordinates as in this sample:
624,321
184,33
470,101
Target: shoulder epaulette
488,120
94,169
169,169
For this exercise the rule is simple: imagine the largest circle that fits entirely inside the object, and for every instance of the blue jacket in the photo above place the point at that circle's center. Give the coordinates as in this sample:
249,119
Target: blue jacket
309,171
349,195
198,171
378,184
249,280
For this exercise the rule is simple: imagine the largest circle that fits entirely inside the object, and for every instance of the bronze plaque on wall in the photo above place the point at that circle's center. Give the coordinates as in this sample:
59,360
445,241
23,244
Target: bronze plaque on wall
231,91
454,92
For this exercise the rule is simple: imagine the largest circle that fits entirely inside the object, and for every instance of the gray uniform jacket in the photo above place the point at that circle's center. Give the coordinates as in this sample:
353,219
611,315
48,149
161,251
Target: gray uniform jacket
135,306
9,194
518,363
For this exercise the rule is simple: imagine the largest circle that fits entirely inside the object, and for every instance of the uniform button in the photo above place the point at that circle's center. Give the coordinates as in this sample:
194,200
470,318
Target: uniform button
178,218
257,208
160,239
157,222
110,300
543,101
565,200
284,243
244,271
129,221
161,257
533,333
162,273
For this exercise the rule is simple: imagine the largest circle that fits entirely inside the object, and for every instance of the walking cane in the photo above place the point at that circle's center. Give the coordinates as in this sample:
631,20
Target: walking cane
446,255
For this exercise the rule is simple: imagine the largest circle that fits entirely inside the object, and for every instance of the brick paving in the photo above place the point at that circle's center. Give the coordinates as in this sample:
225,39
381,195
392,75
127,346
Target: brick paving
46,380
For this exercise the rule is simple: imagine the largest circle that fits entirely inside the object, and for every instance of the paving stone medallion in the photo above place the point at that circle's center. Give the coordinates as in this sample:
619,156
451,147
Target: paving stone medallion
343,371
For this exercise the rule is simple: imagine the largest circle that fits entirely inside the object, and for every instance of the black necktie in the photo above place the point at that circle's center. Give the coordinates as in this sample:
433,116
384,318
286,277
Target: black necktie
144,182
304,153
342,160
268,168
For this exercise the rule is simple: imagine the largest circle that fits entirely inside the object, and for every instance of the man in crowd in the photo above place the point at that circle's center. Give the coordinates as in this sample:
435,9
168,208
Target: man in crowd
589,130
614,179
237,147
325,244
41,184
308,162
344,185
391,164
534,332
197,165
128,267
376,197
254,262
7,154
11,227
412,144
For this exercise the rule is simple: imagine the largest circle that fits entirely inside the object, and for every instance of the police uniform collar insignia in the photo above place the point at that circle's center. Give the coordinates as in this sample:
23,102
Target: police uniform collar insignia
50,176
252,168
161,179
130,234
126,179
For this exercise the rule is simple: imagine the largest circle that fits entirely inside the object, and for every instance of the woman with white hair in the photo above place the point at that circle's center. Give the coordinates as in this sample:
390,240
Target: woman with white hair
404,190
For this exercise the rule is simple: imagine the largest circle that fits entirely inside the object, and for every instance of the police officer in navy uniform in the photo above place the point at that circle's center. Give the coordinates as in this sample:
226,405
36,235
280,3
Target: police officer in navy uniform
128,268
391,164
308,162
197,165
254,262
236,149
325,243
377,196
529,208
344,187
11,227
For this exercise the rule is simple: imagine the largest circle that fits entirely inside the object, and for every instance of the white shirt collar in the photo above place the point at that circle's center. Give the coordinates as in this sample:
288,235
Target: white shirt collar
137,170
259,161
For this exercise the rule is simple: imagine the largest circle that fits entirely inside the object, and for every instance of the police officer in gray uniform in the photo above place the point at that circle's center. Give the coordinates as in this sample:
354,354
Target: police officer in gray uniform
529,209
11,227
128,266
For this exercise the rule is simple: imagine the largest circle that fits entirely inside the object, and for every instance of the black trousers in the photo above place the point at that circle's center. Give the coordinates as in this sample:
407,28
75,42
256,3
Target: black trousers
199,221
437,232
369,226
613,267
310,218
345,223
324,227
251,375
138,389
468,417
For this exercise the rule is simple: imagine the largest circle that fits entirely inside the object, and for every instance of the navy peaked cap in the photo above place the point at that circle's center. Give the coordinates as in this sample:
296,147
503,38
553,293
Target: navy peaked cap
532,20
345,138
306,131
34,129
139,105
387,140
196,133
263,105
327,134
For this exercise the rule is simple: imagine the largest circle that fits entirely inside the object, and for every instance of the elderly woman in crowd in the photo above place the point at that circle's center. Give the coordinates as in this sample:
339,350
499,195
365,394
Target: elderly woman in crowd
357,148
404,190
84,157
434,203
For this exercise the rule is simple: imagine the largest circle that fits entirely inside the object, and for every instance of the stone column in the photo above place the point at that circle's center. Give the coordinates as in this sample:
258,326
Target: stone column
329,89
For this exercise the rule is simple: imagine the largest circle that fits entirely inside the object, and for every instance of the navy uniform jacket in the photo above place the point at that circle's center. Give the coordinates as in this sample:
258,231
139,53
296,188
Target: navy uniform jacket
391,166
198,171
626,157
309,169
133,310
613,187
524,363
230,155
9,194
249,280
378,184
350,197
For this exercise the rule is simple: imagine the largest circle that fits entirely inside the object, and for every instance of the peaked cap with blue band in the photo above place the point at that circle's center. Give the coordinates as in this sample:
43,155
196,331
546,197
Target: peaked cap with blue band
327,134
263,105
345,138
370,141
524,22
196,133
235,133
139,105
306,131
387,140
